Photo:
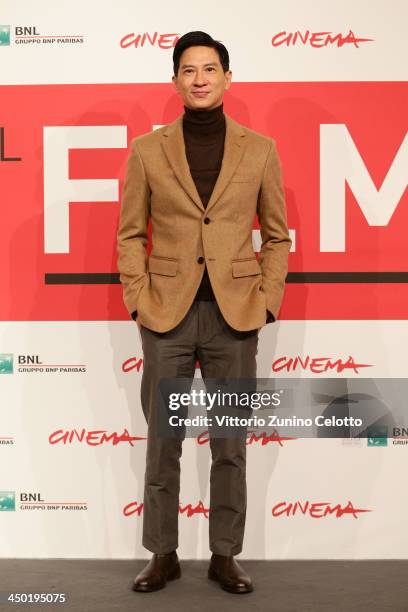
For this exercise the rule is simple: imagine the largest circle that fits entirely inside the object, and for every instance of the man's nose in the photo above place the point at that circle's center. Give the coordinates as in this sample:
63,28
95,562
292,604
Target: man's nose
200,79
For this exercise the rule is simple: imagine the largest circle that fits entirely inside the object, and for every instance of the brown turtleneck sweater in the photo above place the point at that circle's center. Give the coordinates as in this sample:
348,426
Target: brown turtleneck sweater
204,136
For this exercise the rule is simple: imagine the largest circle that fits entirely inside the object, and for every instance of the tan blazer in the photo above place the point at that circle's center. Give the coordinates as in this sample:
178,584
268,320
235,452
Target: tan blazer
158,185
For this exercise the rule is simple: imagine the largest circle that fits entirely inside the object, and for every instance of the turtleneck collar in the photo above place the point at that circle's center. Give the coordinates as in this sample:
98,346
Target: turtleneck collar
203,121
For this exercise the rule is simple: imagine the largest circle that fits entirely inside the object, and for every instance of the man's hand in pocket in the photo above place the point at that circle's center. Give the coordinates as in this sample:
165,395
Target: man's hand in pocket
136,319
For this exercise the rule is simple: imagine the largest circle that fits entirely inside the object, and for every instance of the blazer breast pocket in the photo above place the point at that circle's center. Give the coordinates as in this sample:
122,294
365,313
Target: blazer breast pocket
243,178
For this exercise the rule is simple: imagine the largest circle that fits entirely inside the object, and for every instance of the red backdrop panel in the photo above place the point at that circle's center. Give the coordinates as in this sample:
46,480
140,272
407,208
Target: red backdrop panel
375,116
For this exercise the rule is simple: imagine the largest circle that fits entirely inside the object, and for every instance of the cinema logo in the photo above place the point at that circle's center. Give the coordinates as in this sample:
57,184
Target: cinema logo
133,363
99,437
261,438
318,365
35,502
315,365
316,510
317,40
188,510
312,509
96,437
142,39
136,363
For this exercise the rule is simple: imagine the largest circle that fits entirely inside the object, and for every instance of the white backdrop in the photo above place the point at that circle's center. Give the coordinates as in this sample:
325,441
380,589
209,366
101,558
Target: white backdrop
81,498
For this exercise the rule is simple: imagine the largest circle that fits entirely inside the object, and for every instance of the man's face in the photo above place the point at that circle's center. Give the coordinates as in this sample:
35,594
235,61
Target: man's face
201,80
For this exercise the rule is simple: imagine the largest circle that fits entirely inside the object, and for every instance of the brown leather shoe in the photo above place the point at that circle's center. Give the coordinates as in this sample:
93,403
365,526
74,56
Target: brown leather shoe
229,574
156,573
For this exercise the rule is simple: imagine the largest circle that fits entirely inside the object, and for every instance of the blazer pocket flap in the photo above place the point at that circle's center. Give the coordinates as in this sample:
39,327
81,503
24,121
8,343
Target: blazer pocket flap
247,267
167,267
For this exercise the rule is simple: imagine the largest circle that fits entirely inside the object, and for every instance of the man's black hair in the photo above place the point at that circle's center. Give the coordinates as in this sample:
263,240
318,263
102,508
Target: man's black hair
193,39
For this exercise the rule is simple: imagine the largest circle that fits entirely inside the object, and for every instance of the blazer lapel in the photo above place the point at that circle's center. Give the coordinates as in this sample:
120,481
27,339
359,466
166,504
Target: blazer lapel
174,148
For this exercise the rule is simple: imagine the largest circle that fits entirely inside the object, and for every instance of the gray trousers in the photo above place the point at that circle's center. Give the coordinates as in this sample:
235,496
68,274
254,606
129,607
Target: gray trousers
203,334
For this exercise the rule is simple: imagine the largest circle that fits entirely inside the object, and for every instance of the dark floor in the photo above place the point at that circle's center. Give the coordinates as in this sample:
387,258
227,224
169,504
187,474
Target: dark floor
298,586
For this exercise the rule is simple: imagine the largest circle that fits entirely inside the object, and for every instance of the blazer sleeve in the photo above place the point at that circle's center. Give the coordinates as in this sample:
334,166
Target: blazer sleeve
276,243
132,235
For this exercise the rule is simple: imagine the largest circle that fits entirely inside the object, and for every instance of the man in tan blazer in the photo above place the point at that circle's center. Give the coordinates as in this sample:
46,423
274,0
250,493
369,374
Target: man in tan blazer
201,231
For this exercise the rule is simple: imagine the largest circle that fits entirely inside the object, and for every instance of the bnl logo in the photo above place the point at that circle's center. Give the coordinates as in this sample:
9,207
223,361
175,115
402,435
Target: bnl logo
7,501
6,363
378,437
4,35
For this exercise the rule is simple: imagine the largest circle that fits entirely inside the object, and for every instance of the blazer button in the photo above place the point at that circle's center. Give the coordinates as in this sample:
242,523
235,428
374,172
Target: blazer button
207,220
200,260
